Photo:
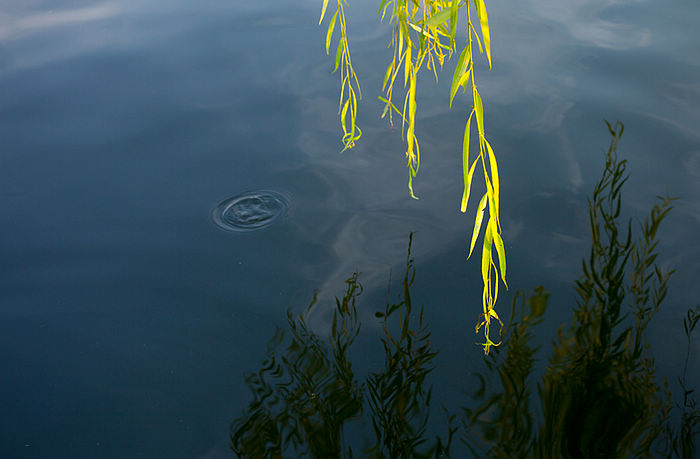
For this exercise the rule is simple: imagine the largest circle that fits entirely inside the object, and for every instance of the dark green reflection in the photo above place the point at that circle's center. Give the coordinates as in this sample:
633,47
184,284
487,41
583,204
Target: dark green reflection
306,391
597,397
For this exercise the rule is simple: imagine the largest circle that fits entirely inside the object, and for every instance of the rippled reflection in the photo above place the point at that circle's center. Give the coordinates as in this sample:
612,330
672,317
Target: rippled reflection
250,211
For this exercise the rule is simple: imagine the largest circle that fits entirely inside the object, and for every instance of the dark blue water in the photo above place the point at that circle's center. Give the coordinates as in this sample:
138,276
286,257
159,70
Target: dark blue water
128,318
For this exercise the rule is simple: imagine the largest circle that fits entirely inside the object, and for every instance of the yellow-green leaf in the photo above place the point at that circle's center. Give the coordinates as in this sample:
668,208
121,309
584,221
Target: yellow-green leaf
498,242
494,176
486,252
466,171
464,60
329,34
467,186
323,11
407,65
479,109
454,8
387,75
483,18
338,53
477,223
440,18
342,115
464,79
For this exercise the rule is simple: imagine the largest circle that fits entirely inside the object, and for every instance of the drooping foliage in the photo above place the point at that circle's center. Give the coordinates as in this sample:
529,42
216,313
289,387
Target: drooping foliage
424,35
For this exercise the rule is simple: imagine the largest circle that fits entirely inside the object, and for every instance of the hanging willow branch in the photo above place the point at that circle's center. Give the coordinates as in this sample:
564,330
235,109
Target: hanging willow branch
425,33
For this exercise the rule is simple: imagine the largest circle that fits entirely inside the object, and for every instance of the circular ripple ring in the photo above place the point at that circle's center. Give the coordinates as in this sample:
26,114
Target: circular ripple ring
250,211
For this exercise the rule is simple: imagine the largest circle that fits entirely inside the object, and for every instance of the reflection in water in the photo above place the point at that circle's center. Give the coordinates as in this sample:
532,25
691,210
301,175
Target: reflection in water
250,211
307,391
598,396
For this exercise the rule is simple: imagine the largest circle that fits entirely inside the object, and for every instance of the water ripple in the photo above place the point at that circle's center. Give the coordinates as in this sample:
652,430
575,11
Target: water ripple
250,211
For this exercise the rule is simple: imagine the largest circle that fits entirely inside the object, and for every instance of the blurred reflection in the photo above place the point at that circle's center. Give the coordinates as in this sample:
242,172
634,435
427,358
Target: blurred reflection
306,391
598,397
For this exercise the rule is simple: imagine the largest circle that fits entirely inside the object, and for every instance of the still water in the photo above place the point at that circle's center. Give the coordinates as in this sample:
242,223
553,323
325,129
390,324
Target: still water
131,132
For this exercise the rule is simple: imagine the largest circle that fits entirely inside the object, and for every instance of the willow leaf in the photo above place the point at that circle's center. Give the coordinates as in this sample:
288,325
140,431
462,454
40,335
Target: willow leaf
483,18
329,34
479,109
323,11
464,60
494,176
468,185
466,171
438,19
338,53
342,115
500,249
387,75
477,223
486,252
454,8
407,66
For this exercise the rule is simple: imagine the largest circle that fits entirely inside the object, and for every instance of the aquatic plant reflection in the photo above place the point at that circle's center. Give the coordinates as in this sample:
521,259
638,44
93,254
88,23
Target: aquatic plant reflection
597,397
306,391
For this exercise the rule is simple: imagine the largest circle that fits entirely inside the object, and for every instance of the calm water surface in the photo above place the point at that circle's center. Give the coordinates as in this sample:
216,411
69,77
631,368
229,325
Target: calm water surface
128,318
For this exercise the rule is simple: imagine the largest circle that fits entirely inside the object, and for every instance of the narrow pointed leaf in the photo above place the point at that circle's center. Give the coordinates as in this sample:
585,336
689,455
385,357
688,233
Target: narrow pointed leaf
342,115
483,18
329,34
498,242
387,75
462,63
477,223
494,176
338,53
466,172
486,252
454,8
323,11
438,19
479,109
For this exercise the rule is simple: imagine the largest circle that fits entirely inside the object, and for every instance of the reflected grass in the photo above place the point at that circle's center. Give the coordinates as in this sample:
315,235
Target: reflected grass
599,395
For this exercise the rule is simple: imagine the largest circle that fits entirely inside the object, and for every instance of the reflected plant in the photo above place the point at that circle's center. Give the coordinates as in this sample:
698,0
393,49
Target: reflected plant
502,425
399,396
425,33
598,395
306,391
682,443
304,394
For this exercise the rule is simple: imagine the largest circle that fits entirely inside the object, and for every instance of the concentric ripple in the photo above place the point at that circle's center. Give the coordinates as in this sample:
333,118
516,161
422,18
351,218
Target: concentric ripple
250,211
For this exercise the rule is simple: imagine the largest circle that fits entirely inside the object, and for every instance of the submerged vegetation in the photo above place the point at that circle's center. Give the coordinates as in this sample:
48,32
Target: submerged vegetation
597,397
427,35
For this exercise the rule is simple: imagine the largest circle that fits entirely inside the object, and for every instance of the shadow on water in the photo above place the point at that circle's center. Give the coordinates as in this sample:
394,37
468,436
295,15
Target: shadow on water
598,396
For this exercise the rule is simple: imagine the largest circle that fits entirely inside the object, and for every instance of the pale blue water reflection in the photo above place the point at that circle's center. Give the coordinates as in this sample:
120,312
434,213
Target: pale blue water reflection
127,318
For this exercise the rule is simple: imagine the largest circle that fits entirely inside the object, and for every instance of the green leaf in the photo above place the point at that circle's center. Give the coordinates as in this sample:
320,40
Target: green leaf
338,53
467,186
387,75
454,8
342,115
477,223
483,18
494,176
407,65
323,11
498,242
440,18
465,165
329,34
464,60
486,252
478,107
